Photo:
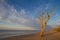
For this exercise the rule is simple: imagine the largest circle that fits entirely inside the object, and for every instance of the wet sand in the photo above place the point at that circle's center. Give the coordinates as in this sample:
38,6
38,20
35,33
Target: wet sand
36,36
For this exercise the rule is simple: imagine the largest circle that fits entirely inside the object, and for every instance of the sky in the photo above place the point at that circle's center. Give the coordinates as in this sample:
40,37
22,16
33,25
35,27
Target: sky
24,14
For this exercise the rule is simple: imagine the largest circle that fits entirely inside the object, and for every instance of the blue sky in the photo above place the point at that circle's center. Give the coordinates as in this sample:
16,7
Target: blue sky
23,14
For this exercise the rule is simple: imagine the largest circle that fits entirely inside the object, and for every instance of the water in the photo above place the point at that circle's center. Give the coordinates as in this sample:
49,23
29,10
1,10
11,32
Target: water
9,33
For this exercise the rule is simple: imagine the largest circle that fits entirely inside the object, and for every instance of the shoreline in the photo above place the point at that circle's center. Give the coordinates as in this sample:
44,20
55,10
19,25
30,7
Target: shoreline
35,36
22,37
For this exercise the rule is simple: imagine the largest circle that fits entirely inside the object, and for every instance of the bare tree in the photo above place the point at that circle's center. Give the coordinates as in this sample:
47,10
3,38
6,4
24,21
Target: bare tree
44,20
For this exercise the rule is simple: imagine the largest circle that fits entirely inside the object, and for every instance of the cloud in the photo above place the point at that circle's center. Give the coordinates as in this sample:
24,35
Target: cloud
26,18
10,15
3,9
16,27
55,20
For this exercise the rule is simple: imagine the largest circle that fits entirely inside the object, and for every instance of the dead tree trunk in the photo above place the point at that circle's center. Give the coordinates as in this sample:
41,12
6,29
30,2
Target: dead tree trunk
43,22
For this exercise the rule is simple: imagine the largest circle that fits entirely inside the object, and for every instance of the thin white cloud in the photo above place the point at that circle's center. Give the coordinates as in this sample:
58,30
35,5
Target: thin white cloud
3,9
55,20
12,16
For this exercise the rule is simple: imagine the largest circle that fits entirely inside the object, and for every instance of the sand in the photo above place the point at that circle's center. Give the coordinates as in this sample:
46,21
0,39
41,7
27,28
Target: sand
36,36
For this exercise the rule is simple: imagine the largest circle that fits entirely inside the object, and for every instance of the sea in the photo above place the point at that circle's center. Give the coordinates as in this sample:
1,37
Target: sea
10,33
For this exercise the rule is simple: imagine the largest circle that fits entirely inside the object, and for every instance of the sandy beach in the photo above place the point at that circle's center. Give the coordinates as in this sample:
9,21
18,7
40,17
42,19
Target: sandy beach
36,36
